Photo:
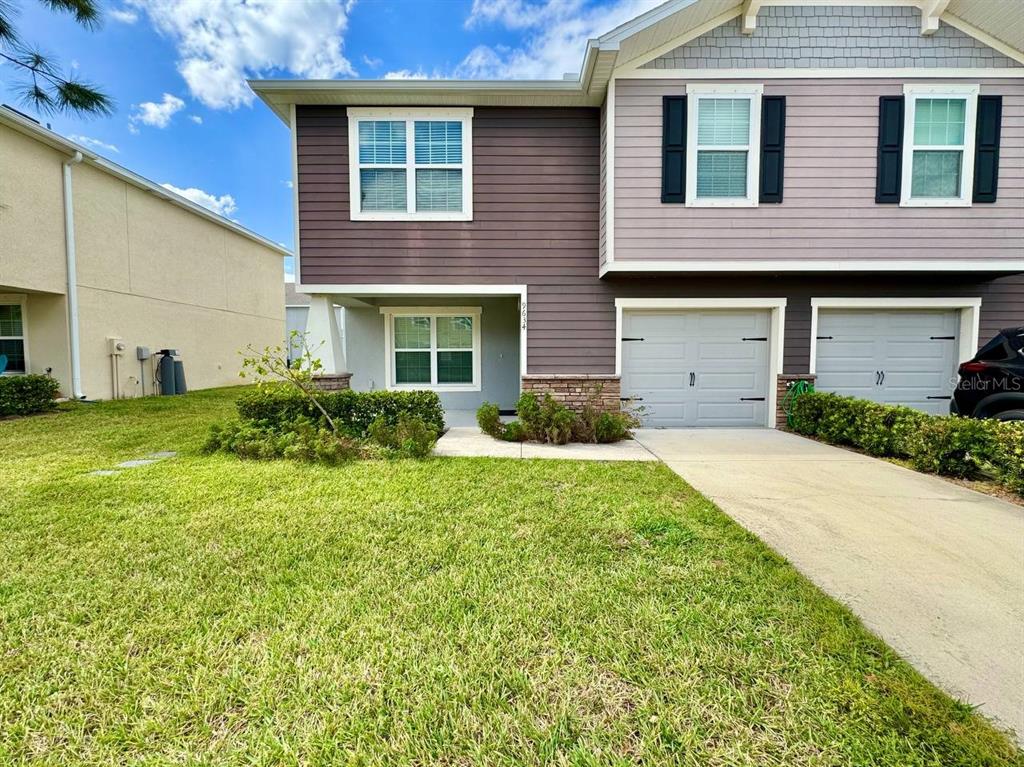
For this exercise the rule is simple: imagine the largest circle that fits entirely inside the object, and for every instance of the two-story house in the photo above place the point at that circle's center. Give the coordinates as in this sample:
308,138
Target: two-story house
728,195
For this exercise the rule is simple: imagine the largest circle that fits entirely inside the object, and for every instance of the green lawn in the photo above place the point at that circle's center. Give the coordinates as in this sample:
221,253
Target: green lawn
204,610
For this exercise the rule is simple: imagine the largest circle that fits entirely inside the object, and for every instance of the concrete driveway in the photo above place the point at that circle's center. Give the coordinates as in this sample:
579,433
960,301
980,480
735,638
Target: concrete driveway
936,570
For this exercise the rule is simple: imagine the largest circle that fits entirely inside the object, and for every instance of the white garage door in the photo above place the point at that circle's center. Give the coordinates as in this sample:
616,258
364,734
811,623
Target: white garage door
697,368
900,357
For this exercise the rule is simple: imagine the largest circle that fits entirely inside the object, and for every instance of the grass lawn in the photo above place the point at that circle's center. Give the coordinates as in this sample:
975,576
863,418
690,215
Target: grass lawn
204,610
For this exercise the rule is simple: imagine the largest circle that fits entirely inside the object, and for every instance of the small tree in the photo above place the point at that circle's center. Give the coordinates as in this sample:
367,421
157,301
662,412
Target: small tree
275,364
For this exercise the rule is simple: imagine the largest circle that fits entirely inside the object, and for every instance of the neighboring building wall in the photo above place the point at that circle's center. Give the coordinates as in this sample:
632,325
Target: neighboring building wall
829,209
31,215
499,347
149,272
843,36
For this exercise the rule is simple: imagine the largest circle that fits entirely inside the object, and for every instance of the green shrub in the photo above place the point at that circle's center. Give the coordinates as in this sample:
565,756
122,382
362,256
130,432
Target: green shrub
28,394
959,447
950,445
353,411
514,432
488,418
299,440
409,437
613,427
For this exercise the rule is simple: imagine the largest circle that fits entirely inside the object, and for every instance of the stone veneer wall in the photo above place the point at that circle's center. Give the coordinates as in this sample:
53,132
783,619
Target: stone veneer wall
575,391
781,387
335,382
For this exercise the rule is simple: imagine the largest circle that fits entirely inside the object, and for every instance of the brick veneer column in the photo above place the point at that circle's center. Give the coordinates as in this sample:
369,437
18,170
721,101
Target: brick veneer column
575,391
781,388
334,382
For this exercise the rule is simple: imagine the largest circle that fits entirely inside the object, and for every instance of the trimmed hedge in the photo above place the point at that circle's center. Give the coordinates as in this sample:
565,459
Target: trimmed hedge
969,448
25,395
353,411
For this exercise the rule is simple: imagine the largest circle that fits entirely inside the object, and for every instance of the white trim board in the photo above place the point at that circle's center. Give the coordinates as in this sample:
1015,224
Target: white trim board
295,194
833,73
777,333
817,265
969,307
609,175
391,290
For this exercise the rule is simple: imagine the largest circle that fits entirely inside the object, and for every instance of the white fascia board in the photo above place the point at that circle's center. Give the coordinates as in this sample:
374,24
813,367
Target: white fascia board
385,290
834,73
818,265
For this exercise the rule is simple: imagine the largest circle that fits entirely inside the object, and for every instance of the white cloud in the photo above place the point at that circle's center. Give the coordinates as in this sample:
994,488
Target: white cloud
372,63
222,206
93,143
556,35
124,15
196,119
157,115
408,74
289,183
222,42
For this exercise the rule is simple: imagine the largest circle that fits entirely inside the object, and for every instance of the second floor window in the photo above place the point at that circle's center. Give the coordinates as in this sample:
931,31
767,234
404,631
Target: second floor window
938,154
411,164
724,142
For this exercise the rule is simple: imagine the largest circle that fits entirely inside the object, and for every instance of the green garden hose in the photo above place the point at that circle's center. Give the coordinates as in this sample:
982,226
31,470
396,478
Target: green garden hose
793,391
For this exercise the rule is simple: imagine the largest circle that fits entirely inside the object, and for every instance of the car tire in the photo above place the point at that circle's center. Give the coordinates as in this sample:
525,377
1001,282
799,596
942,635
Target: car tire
1010,415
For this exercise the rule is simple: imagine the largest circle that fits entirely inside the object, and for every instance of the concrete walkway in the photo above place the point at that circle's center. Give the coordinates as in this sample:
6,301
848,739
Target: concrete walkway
469,441
936,570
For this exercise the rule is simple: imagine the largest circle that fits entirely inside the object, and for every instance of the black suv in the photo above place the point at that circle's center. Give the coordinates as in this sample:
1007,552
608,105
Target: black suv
992,382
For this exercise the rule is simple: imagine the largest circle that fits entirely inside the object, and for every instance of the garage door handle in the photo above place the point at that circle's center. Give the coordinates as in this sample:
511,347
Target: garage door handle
632,339
942,338
631,399
751,399
939,398
693,378
755,339
824,338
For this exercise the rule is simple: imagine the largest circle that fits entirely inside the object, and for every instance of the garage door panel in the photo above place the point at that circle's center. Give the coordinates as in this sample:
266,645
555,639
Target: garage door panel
708,344
911,347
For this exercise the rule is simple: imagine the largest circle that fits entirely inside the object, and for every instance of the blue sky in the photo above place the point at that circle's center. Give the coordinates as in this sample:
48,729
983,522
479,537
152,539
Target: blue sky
176,69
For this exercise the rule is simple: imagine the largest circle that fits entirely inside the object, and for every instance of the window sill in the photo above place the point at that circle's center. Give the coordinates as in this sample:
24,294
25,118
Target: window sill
936,203
437,388
399,216
722,202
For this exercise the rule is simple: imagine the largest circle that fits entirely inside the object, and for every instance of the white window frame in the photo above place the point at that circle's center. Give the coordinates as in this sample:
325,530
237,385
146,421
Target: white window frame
753,92
21,300
390,312
911,94
410,115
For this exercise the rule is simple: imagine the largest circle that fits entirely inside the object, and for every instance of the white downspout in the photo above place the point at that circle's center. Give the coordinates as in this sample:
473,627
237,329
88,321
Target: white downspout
69,249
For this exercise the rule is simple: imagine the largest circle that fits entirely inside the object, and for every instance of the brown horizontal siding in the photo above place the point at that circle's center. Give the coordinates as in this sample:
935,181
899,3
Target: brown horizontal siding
829,210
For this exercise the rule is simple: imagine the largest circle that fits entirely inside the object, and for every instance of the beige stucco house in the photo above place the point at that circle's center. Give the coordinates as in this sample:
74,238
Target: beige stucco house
96,261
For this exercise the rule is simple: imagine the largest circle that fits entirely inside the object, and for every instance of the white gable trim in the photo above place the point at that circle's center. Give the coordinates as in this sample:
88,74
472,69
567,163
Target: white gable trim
833,73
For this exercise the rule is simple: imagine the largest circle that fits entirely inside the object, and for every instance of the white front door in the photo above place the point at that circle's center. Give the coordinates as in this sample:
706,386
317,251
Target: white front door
895,356
697,367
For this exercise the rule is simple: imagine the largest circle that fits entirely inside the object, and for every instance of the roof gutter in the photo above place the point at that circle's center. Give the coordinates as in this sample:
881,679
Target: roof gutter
72,272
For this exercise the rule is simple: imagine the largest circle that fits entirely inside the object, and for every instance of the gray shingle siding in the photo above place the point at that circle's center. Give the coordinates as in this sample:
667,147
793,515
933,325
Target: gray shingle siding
821,37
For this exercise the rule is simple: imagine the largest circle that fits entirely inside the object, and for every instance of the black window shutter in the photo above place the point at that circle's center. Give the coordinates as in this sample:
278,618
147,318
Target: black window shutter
986,148
773,147
673,149
890,149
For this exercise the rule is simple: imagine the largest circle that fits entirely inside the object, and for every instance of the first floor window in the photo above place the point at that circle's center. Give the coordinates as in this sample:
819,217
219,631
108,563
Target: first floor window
12,337
410,164
436,349
723,135
939,137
